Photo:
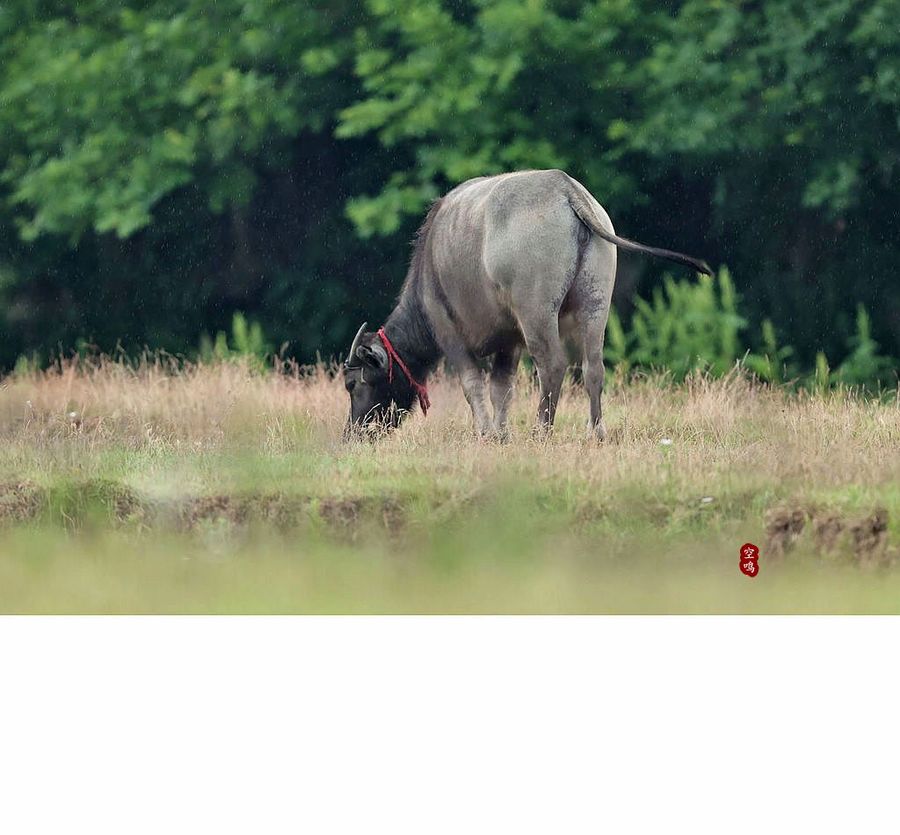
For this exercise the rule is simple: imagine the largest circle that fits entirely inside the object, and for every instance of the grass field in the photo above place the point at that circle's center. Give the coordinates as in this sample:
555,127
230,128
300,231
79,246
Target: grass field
214,489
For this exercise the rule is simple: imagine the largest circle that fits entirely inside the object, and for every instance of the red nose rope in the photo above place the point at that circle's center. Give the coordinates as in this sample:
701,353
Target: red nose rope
420,388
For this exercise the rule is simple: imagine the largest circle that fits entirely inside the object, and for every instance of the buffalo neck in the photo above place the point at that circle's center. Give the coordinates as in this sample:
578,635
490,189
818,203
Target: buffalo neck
410,333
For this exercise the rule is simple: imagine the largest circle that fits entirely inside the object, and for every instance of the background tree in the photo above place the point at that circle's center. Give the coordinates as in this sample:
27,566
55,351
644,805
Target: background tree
164,164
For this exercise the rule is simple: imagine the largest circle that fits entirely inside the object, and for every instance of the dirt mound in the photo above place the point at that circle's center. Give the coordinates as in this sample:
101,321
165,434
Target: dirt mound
827,530
869,537
269,508
212,509
866,537
127,505
340,514
344,516
393,515
76,503
19,501
783,529
347,515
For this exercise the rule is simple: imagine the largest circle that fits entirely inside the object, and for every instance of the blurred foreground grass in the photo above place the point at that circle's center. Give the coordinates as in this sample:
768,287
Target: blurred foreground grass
217,489
214,572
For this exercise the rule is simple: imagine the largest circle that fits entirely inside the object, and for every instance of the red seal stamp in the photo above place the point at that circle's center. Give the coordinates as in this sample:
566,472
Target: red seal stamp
749,559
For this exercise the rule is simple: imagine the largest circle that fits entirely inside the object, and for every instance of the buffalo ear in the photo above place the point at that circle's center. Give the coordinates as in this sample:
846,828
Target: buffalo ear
373,355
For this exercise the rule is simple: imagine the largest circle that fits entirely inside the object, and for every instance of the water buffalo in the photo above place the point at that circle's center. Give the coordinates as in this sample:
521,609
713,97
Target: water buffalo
496,263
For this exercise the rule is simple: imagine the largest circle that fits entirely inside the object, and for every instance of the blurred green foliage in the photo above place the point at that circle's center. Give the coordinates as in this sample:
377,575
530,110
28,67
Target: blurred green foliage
247,343
687,326
864,365
163,165
695,326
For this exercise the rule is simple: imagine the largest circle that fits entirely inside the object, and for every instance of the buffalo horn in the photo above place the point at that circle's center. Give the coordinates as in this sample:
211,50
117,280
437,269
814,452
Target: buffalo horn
355,344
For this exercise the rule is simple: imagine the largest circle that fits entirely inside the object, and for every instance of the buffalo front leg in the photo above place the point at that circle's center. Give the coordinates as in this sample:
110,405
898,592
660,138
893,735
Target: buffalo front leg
546,349
503,378
473,384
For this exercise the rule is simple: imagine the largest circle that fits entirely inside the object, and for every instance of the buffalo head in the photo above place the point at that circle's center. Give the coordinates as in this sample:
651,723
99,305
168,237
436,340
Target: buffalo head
373,396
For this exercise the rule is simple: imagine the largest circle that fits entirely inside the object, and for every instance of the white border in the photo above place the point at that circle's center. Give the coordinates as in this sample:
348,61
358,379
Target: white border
448,725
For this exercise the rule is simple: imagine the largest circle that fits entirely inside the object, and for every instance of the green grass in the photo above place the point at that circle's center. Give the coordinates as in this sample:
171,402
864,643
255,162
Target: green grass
215,571
217,489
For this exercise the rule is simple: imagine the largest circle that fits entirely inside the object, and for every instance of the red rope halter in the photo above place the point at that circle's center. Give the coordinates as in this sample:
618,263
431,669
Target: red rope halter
419,388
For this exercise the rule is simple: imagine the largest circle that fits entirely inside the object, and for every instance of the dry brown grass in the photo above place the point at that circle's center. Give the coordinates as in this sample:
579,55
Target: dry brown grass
726,428
149,452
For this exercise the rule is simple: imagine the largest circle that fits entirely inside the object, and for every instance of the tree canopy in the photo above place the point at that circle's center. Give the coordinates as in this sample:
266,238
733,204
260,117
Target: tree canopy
165,164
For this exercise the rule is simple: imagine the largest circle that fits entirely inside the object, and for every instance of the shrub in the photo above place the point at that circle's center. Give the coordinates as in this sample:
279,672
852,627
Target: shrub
695,325
864,366
247,343
771,363
685,327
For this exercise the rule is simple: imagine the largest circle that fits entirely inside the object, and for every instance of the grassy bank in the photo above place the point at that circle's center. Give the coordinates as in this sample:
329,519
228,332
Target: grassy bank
214,489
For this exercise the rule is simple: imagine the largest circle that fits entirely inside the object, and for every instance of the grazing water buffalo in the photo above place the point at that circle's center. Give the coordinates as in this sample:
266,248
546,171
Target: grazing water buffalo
496,263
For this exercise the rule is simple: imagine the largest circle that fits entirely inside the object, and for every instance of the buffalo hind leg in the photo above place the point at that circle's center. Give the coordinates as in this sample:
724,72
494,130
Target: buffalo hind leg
593,371
503,378
546,349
